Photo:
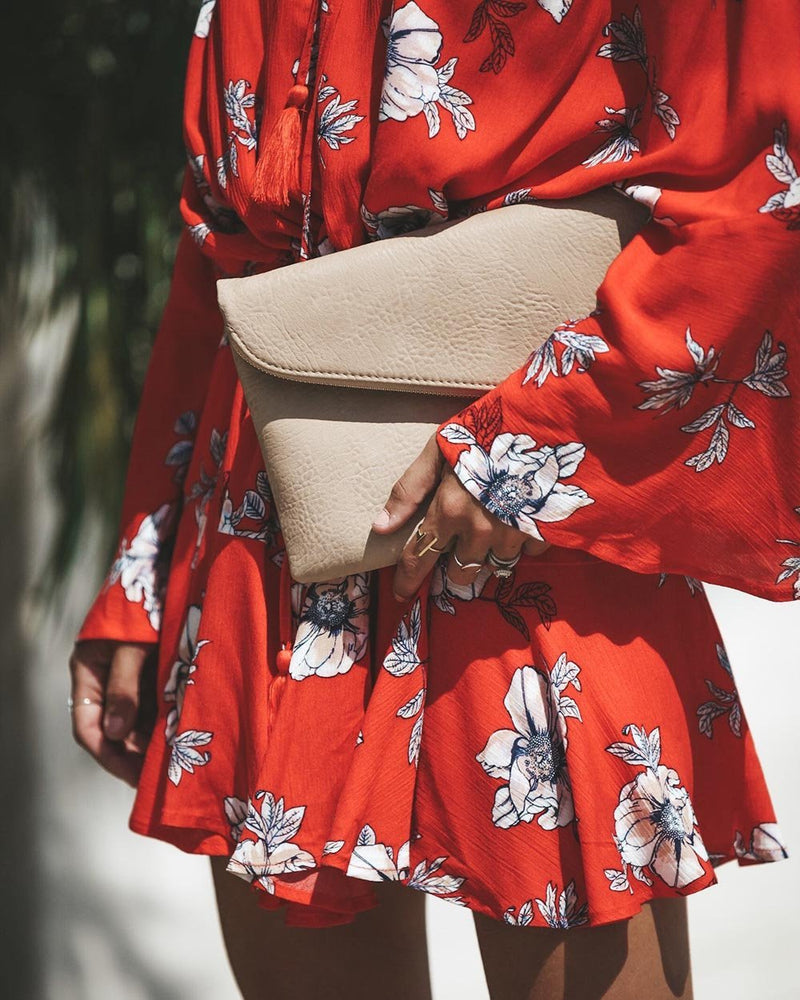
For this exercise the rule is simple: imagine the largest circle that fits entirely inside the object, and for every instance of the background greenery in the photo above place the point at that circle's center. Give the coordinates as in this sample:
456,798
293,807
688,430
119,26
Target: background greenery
90,114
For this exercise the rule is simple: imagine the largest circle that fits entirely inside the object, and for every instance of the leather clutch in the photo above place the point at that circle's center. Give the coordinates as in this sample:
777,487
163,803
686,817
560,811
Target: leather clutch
349,362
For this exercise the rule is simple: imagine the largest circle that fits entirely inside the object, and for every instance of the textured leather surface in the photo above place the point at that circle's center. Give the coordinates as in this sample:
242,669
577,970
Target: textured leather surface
452,312
450,308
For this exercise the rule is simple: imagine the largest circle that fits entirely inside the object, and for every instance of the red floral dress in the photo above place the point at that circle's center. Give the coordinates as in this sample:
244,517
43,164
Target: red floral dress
560,747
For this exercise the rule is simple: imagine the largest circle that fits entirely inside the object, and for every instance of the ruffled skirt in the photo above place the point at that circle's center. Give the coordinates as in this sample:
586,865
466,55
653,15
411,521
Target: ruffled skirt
553,750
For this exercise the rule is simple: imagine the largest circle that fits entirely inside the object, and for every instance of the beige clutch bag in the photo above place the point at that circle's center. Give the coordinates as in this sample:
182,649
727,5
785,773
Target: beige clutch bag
349,362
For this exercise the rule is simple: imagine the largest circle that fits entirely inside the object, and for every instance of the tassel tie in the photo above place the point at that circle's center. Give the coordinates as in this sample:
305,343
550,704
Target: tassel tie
277,172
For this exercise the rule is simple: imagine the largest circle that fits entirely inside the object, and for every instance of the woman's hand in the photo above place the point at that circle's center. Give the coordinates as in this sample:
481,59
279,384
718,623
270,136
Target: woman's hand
113,702
455,520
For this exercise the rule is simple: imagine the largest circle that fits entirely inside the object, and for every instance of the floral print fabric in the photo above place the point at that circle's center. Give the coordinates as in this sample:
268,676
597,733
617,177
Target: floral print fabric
557,748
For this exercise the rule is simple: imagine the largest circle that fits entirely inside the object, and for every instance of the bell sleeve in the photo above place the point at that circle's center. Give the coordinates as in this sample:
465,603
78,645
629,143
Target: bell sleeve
662,432
128,604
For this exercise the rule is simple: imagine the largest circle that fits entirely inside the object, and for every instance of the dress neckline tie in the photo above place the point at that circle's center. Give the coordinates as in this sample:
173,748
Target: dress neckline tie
277,172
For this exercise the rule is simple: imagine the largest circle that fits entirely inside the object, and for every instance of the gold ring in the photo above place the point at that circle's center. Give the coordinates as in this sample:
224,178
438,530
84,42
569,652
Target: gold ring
72,703
430,547
419,535
475,565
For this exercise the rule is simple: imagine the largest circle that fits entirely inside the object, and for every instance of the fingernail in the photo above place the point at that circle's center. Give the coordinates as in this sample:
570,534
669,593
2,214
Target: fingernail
115,727
382,520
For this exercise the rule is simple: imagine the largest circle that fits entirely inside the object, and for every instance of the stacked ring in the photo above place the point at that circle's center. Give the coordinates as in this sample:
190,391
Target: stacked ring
503,567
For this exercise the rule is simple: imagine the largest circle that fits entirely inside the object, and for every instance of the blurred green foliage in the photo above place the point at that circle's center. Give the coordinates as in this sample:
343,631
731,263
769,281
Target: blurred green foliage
90,108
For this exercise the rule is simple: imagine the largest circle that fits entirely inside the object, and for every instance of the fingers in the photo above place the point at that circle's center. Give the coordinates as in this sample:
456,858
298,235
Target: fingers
92,663
411,489
122,690
455,520
419,556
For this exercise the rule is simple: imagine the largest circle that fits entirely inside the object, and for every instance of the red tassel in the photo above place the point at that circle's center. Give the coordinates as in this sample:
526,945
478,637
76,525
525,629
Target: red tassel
277,173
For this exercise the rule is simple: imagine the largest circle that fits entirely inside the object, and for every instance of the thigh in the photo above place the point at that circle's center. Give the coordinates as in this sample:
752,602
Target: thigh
646,956
383,953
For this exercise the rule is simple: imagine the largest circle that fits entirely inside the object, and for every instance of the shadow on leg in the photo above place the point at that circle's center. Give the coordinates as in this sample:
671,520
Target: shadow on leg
383,953
646,956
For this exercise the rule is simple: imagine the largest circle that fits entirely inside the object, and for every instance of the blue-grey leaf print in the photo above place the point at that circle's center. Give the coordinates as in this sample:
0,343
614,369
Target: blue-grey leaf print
784,205
561,909
271,852
336,120
724,702
579,351
674,389
791,565
403,658
180,676
185,756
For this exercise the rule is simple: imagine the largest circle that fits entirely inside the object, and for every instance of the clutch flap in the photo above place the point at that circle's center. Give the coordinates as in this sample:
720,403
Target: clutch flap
452,308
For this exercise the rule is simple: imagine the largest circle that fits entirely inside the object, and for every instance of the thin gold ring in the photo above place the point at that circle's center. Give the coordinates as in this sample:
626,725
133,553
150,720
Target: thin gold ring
71,702
431,547
472,565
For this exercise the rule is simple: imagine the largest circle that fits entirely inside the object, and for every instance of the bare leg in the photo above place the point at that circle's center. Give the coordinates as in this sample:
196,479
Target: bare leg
644,957
383,953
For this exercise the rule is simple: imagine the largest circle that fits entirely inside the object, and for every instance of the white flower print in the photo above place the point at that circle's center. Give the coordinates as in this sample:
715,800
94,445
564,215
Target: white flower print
403,658
271,853
621,143
333,629
648,195
139,566
336,118
724,703
182,669
785,205
557,9
376,862
655,823
412,83
532,757
517,483
580,351
203,24
185,756
765,844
